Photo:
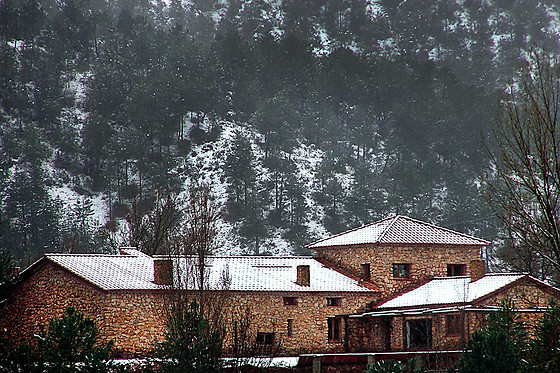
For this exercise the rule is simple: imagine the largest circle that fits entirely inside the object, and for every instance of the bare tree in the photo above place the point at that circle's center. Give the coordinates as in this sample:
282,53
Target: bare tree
203,316
195,321
200,232
153,226
524,177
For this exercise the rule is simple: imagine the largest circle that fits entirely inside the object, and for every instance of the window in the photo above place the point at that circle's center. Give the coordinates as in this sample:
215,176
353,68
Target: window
334,329
333,302
418,334
290,329
453,324
265,339
366,274
401,270
290,301
456,270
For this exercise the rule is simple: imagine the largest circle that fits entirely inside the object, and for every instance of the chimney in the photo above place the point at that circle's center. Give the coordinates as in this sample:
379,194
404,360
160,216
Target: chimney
163,272
478,269
303,275
125,250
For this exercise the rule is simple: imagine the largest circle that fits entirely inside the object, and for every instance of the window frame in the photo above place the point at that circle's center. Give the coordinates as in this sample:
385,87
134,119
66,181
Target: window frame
456,269
290,301
334,302
413,331
397,270
265,338
334,329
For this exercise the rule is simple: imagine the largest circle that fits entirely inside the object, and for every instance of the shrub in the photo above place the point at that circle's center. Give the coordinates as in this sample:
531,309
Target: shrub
544,349
70,345
384,366
498,347
190,343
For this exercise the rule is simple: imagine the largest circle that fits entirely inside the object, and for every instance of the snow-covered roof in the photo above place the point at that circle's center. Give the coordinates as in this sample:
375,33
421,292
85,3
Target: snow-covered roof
110,272
399,230
451,290
135,271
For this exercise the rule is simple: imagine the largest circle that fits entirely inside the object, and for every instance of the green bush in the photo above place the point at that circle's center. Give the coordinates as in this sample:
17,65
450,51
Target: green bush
69,346
190,344
544,349
385,366
499,346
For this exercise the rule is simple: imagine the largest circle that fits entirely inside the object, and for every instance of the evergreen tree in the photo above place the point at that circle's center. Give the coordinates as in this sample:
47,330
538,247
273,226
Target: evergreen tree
499,346
30,219
544,355
69,346
241,177
72,340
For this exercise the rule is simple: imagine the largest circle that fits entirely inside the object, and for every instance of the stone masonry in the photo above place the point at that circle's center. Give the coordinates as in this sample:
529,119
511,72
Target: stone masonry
135,320
371,334
425,262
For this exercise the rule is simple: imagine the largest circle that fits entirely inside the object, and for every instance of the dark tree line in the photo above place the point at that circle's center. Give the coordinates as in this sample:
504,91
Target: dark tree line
395,96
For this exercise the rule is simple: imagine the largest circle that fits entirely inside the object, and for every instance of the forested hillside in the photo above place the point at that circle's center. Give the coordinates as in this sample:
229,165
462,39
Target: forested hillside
304,117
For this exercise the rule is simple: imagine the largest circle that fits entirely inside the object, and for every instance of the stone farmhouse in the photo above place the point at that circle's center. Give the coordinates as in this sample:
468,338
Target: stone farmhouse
395,285
441,314
294,302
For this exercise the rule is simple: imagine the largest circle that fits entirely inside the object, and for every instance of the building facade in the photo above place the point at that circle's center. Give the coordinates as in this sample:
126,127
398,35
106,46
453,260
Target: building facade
443,313
375,288
294,303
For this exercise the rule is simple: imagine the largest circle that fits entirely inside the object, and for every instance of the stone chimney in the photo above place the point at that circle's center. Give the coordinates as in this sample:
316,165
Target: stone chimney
303,275
478,269
124,250
163,272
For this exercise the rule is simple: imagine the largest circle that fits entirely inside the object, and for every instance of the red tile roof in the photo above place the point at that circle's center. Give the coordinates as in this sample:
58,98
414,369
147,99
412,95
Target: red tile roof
399,230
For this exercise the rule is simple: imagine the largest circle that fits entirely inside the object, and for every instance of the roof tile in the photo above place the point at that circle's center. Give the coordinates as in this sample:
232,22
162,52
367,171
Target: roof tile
399,230
244,273
451,290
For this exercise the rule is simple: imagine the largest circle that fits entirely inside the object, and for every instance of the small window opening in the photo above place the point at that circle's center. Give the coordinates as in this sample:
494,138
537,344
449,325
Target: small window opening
401,270
333,302
334,328
456,270
366,271
265,339
290,301
290,327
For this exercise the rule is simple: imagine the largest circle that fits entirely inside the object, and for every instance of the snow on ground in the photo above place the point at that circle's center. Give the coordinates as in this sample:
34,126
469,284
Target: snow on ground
207,161
205,164
554,25
70,198
308,159
262,362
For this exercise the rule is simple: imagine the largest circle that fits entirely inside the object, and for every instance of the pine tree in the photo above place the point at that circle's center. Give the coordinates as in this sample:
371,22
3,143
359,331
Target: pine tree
499,346
544,354
30,219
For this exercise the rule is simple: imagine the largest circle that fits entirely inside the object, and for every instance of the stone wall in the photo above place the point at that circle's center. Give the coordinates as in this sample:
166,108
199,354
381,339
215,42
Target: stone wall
43,296
425,262
309,317
135,320
526,295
